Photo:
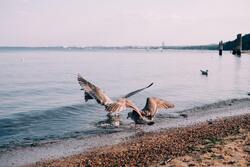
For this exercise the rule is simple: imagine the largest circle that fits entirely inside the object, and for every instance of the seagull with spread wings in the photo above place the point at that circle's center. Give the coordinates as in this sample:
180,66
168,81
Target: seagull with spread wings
93,92
152,107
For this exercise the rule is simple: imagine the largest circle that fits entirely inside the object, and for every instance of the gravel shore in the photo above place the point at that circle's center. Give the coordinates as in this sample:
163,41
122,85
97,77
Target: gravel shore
157,148
230,151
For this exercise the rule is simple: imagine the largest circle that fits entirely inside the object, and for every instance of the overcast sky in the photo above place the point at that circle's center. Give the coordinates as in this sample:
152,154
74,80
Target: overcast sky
121,22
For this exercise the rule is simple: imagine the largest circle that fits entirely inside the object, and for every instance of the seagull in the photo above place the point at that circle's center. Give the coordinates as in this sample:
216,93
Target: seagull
94,92
152,107
204,72
138,119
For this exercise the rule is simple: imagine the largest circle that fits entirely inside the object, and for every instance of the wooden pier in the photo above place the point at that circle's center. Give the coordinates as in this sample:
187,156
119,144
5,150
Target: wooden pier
238,46
220,48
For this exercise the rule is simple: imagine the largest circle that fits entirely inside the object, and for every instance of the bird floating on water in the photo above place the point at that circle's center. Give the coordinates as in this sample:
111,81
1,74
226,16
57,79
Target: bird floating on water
152,107
94,92
204,72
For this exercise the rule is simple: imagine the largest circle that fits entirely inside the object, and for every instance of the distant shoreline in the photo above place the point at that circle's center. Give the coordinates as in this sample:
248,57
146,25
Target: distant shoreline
188,47
227,45
122,48
65,48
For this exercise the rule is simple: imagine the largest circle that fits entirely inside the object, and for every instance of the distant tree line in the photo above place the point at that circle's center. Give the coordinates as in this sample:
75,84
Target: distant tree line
230,45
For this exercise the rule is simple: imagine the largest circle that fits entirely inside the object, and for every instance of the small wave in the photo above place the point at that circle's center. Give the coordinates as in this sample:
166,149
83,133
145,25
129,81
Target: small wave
220,104
35,115
38,125
28,118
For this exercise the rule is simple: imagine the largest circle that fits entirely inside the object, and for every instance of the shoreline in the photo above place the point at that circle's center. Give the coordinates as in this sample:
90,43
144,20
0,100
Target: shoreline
66,148
150,148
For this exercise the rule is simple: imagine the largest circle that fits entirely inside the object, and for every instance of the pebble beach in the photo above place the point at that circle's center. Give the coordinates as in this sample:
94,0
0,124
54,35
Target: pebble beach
163,147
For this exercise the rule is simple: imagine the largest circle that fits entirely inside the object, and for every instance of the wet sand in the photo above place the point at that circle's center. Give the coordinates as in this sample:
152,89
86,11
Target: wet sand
171,146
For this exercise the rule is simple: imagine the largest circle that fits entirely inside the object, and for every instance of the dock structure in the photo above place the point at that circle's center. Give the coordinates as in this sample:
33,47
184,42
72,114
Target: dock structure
220,48
238,45
162,46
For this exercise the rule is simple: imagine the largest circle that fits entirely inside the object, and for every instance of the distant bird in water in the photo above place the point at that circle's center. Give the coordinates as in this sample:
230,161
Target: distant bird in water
204,72
93,92
152,107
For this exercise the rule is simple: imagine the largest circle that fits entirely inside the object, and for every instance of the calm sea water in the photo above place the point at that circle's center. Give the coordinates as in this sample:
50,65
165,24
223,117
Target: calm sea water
40,98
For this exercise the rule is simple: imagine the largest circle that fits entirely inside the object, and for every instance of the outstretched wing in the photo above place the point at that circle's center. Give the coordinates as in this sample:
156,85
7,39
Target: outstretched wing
121,105
93,92
116,106
163,104
153,105
137,91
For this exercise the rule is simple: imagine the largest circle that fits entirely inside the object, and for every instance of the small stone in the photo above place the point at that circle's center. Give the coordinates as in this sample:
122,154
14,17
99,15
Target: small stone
231,162
219,157
162,163
139,164
210,121
247,148
190,165
248,93
184,115
168,160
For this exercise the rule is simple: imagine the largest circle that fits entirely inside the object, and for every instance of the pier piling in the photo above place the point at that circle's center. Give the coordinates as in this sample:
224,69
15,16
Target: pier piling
220,48
238,46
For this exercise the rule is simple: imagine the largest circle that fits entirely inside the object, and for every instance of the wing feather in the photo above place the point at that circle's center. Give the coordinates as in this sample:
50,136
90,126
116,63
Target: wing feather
137,91
113,107
93,92
120,105
153,105
163,104
87,97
